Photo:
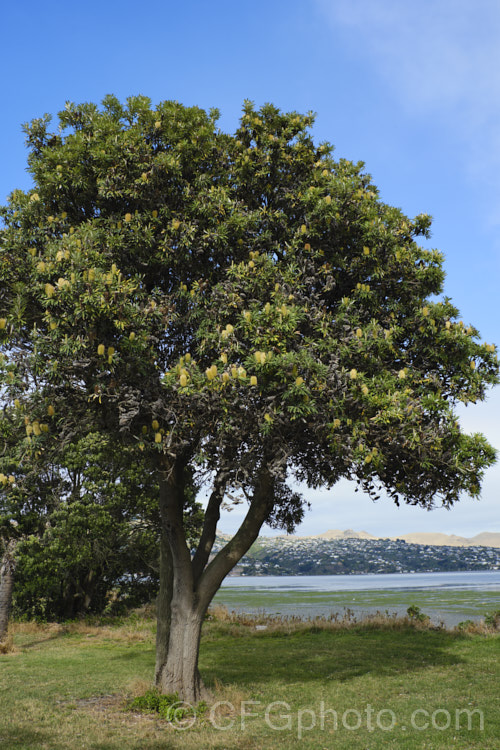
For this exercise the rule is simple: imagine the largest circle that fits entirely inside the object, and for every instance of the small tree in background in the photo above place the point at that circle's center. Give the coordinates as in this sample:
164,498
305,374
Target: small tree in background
242,307
83,534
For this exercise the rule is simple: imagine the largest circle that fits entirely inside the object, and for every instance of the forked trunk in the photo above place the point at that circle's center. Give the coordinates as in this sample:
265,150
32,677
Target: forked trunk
7,569
187,586
179,617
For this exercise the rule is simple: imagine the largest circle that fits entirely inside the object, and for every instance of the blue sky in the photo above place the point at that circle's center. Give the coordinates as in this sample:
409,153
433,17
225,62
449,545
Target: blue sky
412,89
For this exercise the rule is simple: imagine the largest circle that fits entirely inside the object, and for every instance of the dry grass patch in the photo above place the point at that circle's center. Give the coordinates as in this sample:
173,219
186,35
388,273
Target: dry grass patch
261,622
7,645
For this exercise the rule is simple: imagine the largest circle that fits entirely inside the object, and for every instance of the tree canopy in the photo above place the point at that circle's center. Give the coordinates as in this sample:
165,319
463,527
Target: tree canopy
242,306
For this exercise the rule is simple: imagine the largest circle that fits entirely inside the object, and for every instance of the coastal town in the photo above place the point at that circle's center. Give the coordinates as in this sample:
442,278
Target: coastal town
341,556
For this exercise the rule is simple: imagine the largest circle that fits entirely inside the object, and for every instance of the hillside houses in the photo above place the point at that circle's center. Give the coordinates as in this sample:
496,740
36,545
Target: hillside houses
316,556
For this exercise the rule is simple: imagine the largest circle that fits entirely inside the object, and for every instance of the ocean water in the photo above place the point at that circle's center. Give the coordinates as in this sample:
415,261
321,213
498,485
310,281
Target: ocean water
448,598
469,579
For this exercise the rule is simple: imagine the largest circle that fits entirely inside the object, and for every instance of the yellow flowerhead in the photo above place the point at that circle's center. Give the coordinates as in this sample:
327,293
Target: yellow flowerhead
353,374
211,372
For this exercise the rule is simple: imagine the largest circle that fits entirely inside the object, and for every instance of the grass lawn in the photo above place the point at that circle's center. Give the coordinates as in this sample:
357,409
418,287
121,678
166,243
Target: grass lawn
290,685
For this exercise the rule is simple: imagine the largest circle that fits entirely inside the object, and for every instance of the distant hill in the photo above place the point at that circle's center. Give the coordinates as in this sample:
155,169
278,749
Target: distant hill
485,539
348,534
428,538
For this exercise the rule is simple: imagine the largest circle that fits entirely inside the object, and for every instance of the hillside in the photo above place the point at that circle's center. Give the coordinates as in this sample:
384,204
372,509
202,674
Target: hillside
486,538
327,554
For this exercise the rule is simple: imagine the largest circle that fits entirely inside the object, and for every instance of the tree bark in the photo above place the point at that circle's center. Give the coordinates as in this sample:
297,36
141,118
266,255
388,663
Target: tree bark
179,624
7,570
163,605
185,590
178,671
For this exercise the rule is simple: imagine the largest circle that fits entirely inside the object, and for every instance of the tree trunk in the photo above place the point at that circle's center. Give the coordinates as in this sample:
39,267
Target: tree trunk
178,672
188,586
179,617
163,606
7,570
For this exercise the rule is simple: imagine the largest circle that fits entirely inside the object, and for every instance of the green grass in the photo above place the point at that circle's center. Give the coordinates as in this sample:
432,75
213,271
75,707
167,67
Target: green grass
68,687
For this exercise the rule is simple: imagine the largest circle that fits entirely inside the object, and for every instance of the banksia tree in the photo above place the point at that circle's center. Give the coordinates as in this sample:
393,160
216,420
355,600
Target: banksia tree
252,298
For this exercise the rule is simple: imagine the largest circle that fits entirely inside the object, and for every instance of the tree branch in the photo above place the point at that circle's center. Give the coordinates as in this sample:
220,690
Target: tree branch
212,515
171,502
248,532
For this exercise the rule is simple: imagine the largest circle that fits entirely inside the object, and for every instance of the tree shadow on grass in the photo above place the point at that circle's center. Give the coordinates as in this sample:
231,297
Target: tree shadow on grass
23,737
41,641
333,655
